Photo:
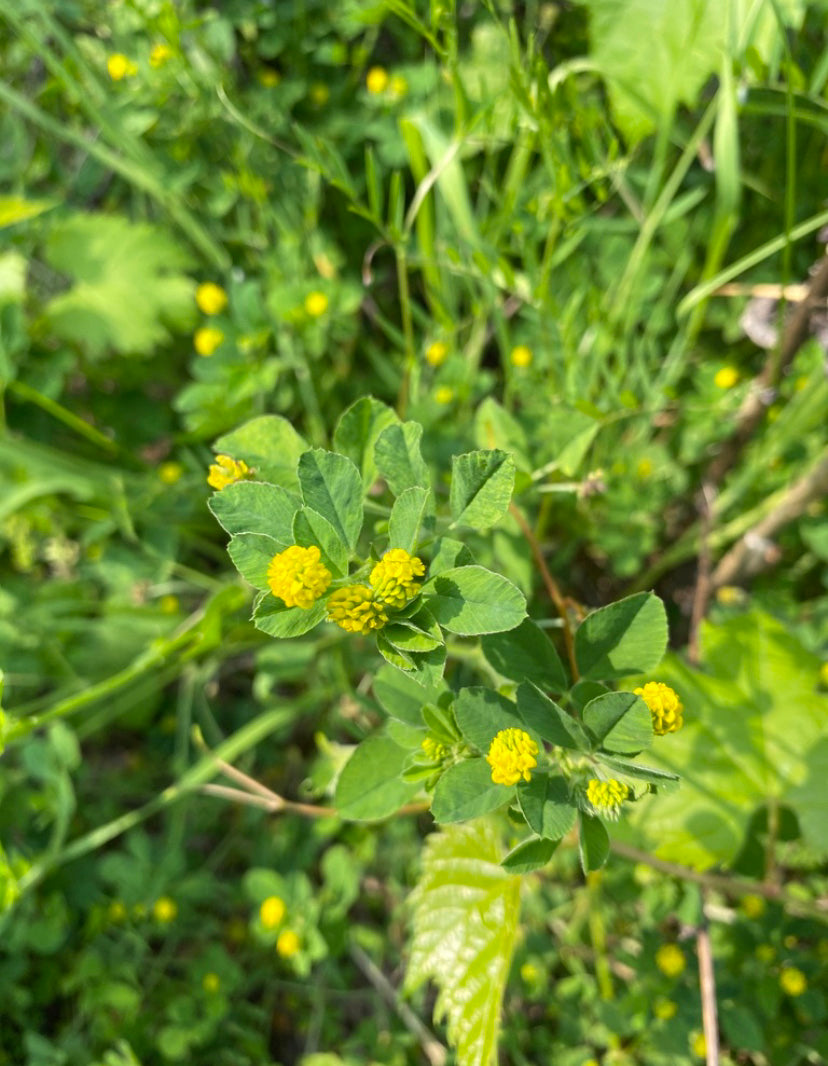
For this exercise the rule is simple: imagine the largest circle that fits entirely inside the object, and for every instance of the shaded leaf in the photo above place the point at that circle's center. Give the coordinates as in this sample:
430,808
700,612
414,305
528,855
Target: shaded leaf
370,786
254,507
546,805
541,714
357,432
620,722
466,790
526,654
626,637
481,488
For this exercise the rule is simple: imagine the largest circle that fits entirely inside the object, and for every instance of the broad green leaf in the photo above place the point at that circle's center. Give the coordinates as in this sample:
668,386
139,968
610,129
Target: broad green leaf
129,289
466,790
593,843
469,600
331,485
398,457
686,39
620,722
548,720
465,915
532,854
481,713
411,511
481,488
755,732
400,696
254,507
357,432
567,435
311,528
526,654
272,617
627,637
251,554
583,692
546,805
270,445
370,786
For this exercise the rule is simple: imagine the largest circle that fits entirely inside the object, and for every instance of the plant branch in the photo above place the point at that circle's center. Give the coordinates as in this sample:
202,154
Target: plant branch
551,586
707,986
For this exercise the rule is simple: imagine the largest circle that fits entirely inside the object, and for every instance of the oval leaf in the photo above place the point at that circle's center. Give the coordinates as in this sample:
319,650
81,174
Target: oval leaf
466,790
469,600
526,654
620,722
370,786
481,487
627,637
331,485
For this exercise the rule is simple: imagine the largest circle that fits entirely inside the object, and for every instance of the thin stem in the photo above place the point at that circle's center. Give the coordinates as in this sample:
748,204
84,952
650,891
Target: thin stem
62,414
707,986
551,587
408,384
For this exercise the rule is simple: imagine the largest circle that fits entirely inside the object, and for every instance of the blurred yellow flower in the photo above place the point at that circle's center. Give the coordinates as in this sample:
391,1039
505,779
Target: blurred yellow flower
226,471
665,707
698,1045
169,604
521,356
377,80
436,353
288,943
211,983
319,94
664,1009
823,673
159,54
165,910
272,911
730,596
316,304
765,953
269,78
792,981
207,339
752,906
444,394
726,378
170,473
116,911
120,66
398,87
644,468
211,298
670,960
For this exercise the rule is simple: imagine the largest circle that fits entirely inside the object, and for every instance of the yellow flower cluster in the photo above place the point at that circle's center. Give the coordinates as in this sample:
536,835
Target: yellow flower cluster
363,608
207,339
665,707
298,576
606,797
271,915
394,578
316,304
119,66
670,960
511,756
165,910
792,981
226,471
434,749
356,609
211,298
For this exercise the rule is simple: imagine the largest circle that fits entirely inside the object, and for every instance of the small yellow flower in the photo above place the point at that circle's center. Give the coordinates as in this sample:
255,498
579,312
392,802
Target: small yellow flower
435,751
765,953
394,578
356,610
170,473
227,471
436,353
120,66
726,378
530,973
207,339
116,911
269,78
298,577
606,797
271,912
670,960
169,604
211,983
288,943
165,910
159,54
664,1009
790,941
644,468
444,395
730,596
665,707
316,304
377,81
698,1045
752,906
521,356
319,94
511,757
211,298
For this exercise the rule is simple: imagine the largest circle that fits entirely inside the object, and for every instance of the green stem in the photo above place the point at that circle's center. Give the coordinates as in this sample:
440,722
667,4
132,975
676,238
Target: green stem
62,414
409,384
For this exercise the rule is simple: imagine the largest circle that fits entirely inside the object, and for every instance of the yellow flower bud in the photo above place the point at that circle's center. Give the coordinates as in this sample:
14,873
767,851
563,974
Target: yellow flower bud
288,944
271,912
120,66
377,81
207,339
211,298
316,304
521,357
670,960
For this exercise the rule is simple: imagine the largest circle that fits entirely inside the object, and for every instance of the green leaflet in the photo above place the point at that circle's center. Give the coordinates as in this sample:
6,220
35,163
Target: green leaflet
620,722
468,600
255,507
269,445
398,457
526,654
357,432
332,487
627,637
412,509
481,488
465,916
370,786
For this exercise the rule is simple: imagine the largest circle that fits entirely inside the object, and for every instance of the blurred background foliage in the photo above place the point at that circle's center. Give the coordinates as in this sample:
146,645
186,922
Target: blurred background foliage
514,222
